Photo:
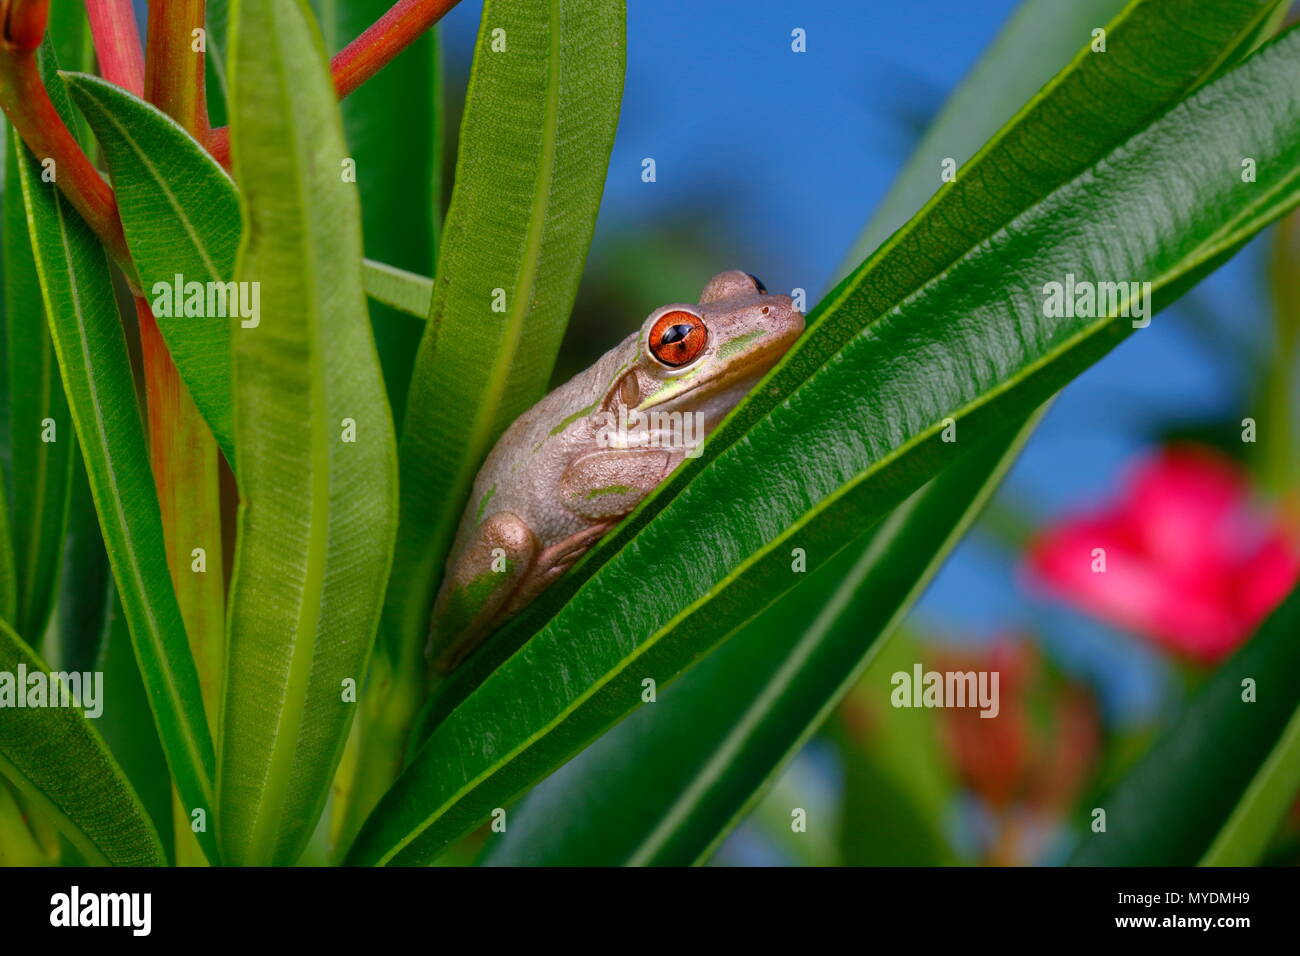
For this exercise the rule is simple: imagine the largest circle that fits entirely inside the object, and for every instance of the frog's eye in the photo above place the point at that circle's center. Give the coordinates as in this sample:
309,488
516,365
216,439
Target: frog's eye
677,338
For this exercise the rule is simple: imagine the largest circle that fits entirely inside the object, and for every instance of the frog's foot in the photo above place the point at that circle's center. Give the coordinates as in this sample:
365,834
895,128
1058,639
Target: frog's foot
479,587
553,562
610,483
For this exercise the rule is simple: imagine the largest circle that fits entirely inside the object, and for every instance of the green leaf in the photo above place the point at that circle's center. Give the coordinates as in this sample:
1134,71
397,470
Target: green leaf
127,725
41,469
181,216
180,212
317,512
394,130
1227,765
1245,836
217,14
74,48
86,587
852,433
534,144
668,783
57,757
92,355
8,576
402,290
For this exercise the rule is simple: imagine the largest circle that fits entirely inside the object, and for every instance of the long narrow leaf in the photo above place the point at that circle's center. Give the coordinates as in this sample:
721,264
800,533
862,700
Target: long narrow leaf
43,444
317,508
665,785
971,350
1208,762
56,756
181,217
393,127
404,291
180,213
1155,50
91,349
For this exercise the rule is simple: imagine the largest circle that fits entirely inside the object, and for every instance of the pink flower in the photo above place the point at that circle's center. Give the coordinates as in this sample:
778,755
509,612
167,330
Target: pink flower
1187,563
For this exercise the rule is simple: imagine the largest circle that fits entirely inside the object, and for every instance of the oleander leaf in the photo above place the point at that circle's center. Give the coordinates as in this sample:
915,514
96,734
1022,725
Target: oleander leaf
43,444
318,509
89,342
1230,765
534,144
668,783
57,757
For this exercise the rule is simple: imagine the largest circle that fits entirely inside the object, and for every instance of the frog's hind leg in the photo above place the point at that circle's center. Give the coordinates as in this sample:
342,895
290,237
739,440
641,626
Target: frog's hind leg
479,587
601,487
553,562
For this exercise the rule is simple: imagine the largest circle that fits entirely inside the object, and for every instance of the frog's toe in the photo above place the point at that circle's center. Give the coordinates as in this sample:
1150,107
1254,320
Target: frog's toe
478,587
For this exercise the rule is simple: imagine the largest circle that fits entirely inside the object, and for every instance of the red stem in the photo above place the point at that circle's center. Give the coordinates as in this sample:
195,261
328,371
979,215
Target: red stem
365,56
117,43
24,23
28,106
174,70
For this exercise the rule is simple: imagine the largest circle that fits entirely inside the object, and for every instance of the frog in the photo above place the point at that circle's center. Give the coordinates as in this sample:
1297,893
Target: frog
571,467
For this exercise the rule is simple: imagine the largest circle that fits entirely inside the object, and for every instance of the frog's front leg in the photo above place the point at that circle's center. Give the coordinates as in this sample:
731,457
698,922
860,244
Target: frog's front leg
479,587
611,482
600,487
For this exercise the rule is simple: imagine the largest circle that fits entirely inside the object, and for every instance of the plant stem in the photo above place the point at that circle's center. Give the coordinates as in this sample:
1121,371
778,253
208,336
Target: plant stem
26,102
174,79
25,22
117,43
365,56
182,450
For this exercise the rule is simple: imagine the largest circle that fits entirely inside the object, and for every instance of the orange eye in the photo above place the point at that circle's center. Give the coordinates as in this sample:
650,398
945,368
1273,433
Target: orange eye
678,338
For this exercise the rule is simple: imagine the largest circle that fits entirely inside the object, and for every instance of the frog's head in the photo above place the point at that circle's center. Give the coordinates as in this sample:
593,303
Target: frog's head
705,357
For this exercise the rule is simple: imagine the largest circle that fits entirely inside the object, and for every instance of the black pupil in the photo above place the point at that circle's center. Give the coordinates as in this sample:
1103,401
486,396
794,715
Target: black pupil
674,333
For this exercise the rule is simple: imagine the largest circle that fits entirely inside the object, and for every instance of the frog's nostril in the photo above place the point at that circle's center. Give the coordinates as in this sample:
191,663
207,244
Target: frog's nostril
758,283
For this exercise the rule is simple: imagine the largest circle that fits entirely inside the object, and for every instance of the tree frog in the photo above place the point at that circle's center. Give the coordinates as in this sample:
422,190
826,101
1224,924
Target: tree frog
568,469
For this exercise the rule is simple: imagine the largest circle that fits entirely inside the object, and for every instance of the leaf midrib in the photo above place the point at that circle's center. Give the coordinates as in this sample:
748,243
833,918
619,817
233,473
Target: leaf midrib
188,737
161,183
31,527
271,796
